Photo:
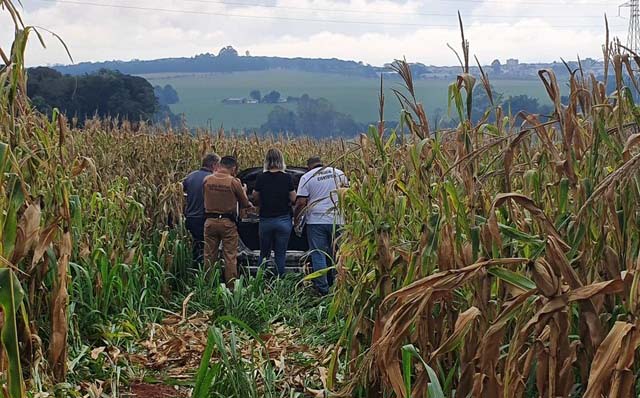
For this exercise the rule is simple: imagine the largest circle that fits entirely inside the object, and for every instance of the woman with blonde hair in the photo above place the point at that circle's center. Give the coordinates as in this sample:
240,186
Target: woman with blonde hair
275,193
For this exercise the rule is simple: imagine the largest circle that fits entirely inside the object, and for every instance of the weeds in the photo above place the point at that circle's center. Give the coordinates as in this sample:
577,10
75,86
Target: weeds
232,375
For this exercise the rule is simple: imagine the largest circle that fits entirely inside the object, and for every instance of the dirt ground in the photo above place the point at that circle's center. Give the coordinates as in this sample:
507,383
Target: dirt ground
153,391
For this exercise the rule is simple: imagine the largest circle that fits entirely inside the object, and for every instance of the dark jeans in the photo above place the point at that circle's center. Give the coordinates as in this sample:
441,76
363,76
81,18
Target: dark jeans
195,226
321,239
274,234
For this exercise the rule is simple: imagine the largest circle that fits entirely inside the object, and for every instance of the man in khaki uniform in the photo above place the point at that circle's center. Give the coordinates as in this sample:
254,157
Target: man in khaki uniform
223,196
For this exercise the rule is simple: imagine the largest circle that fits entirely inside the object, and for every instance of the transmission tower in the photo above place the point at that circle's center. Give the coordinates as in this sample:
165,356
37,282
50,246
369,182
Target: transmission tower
633,37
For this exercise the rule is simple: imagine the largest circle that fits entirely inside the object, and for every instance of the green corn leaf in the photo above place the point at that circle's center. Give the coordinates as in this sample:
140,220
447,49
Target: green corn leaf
317,274
373,133
406,370
563,200
435,389
204,374
10,225
512,278
11,296
4,159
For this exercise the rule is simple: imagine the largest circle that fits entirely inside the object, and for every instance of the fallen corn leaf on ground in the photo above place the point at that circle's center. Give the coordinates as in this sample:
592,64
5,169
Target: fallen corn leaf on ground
174,348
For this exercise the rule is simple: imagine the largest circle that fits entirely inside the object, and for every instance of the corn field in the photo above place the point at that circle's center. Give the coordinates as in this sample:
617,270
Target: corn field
498,259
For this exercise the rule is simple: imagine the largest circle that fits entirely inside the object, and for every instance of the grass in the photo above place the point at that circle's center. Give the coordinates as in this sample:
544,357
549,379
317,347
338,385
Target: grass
251,336
201,94
262,320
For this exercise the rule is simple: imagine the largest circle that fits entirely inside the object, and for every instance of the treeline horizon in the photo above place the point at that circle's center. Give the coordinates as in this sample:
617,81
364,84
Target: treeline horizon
228,60
112,94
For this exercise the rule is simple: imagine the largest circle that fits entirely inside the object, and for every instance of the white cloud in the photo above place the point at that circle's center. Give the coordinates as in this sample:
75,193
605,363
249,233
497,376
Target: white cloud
495,28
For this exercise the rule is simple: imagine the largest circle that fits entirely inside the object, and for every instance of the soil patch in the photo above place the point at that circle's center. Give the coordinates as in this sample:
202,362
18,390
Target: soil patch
144,390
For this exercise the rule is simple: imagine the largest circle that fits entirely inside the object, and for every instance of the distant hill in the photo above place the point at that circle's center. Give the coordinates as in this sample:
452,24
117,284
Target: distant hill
203,86
227,60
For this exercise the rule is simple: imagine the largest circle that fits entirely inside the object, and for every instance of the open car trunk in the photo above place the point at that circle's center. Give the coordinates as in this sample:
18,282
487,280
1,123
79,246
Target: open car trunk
249,247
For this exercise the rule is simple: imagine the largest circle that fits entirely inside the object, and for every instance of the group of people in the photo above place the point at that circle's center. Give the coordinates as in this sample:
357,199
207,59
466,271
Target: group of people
215,196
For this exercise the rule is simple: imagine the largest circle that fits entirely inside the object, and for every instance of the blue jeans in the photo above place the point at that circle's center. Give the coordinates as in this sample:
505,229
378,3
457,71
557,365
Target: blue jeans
321,239
274,234
195,226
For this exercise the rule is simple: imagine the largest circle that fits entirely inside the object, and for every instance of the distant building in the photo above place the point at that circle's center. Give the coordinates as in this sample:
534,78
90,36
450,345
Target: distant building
251,101
512,62
234,101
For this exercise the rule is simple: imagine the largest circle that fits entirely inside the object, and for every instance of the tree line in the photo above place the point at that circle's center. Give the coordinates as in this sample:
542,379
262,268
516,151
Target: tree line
109,93
227,60
315,117
105,93
166,95
270,98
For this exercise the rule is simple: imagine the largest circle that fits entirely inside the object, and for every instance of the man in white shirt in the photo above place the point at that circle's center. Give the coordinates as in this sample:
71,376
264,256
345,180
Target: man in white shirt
317,197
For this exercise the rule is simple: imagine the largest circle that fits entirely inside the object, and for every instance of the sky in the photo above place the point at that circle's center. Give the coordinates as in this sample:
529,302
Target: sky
372,31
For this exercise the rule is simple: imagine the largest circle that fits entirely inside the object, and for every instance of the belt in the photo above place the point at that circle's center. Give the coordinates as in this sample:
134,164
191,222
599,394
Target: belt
228,216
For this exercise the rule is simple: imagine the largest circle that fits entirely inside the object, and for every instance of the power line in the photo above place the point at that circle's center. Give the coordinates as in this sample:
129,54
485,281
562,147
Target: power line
274,17
231,15
529,2
417,13
633,37
541,3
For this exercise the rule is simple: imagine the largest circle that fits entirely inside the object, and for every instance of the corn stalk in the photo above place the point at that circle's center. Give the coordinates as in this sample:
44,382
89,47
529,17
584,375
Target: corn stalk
35,220
505,253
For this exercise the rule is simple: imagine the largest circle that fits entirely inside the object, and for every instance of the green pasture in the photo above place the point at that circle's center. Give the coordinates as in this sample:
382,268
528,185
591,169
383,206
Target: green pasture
201,94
